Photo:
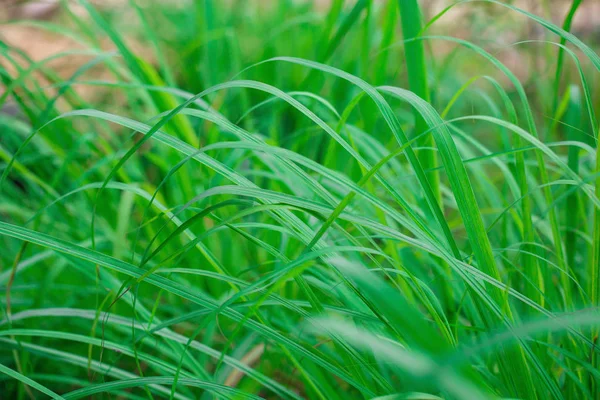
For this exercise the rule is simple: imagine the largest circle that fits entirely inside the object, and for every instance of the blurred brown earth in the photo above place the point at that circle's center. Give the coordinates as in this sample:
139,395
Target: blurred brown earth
39,44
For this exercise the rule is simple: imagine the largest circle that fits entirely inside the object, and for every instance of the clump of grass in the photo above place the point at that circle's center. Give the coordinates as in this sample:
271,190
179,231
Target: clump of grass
239,212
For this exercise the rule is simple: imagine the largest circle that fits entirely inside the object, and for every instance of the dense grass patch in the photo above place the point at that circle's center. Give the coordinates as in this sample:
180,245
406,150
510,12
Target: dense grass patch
272,200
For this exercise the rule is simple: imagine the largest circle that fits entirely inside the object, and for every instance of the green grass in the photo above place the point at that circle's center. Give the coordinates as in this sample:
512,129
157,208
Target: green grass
276,201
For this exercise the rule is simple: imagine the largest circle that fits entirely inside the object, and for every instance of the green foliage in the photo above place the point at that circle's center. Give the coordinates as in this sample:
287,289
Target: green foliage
235,210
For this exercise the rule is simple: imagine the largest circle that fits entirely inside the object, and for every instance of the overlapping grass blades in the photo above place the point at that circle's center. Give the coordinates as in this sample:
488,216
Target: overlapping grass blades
289,229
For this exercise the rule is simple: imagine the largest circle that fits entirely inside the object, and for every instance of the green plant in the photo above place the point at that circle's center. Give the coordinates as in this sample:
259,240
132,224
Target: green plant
236,211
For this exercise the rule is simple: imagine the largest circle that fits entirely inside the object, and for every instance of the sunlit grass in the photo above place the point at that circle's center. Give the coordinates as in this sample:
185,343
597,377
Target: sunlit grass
272,202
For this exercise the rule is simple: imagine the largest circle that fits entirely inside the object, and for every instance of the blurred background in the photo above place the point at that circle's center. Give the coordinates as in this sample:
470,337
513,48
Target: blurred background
242,32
